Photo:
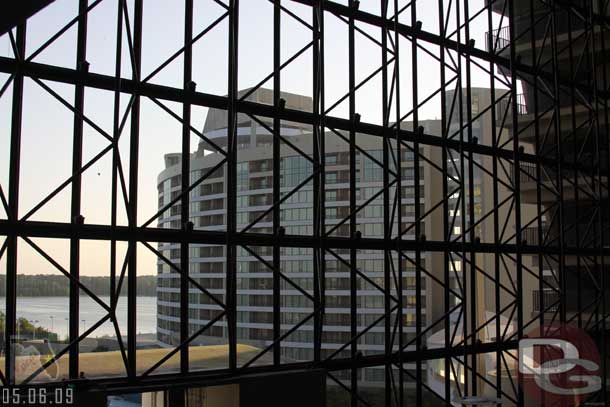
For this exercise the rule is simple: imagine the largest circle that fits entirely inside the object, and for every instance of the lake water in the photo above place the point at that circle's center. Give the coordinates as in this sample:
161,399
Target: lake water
52,314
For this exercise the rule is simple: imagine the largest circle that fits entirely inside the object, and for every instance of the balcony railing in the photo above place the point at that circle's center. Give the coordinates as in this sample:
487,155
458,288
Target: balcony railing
504,106
530,235
498,40
527,173
549,297
574,235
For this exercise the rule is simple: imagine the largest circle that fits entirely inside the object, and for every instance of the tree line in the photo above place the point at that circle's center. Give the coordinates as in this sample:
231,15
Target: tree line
46,285
26,330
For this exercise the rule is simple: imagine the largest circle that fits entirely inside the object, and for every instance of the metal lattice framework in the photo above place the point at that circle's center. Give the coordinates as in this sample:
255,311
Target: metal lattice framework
546,156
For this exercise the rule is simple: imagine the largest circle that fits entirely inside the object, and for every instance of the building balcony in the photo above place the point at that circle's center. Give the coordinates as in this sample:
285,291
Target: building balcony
498,40
572,36
504,107
530,236
548,298
529,181
527,118
571,239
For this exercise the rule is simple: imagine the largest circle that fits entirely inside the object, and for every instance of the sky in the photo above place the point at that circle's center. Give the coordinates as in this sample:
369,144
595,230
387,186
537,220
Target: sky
48,126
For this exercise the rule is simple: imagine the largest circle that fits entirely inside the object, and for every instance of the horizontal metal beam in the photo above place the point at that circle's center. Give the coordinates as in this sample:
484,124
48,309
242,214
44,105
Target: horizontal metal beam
448,44
35,229
18,12
128,86
159,382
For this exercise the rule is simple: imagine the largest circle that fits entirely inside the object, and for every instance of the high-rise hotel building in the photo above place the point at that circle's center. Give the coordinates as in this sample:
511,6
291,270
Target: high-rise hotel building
254,198
254,278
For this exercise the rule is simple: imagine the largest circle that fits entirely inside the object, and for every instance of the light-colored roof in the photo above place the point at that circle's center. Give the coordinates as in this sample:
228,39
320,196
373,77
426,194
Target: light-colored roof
217,118
109,364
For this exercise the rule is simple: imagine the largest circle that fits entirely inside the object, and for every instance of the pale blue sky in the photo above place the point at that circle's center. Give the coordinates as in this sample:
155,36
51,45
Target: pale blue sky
47,125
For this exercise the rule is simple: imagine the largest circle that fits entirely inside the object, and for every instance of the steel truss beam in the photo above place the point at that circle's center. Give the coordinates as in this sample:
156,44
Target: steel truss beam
70,76
404,245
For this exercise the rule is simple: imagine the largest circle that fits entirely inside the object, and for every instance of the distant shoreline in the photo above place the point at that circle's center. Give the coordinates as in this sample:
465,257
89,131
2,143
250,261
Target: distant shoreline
52,285
52,313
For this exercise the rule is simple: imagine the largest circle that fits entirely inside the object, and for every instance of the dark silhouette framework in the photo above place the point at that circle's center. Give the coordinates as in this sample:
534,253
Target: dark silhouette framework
578,180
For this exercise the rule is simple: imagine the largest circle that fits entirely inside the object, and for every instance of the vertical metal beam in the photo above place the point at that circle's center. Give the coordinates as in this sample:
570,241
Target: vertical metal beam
231,184
13,215
575,216
77,162
446,223
537,149
559,158
352,199
399,254
600,135
387,228
418,214
318,181
466,306
276,181
517,187
604,207
474,312
133,192
496,215
116,122
186,172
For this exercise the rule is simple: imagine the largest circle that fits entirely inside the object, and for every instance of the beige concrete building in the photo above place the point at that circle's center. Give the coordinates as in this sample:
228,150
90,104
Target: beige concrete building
254,279
254,197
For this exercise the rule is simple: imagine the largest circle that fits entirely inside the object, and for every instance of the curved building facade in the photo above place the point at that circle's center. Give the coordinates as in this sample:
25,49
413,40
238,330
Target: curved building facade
254,277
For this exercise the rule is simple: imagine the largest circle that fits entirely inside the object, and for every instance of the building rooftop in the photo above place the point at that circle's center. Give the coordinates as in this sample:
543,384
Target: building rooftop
110,364
217,118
